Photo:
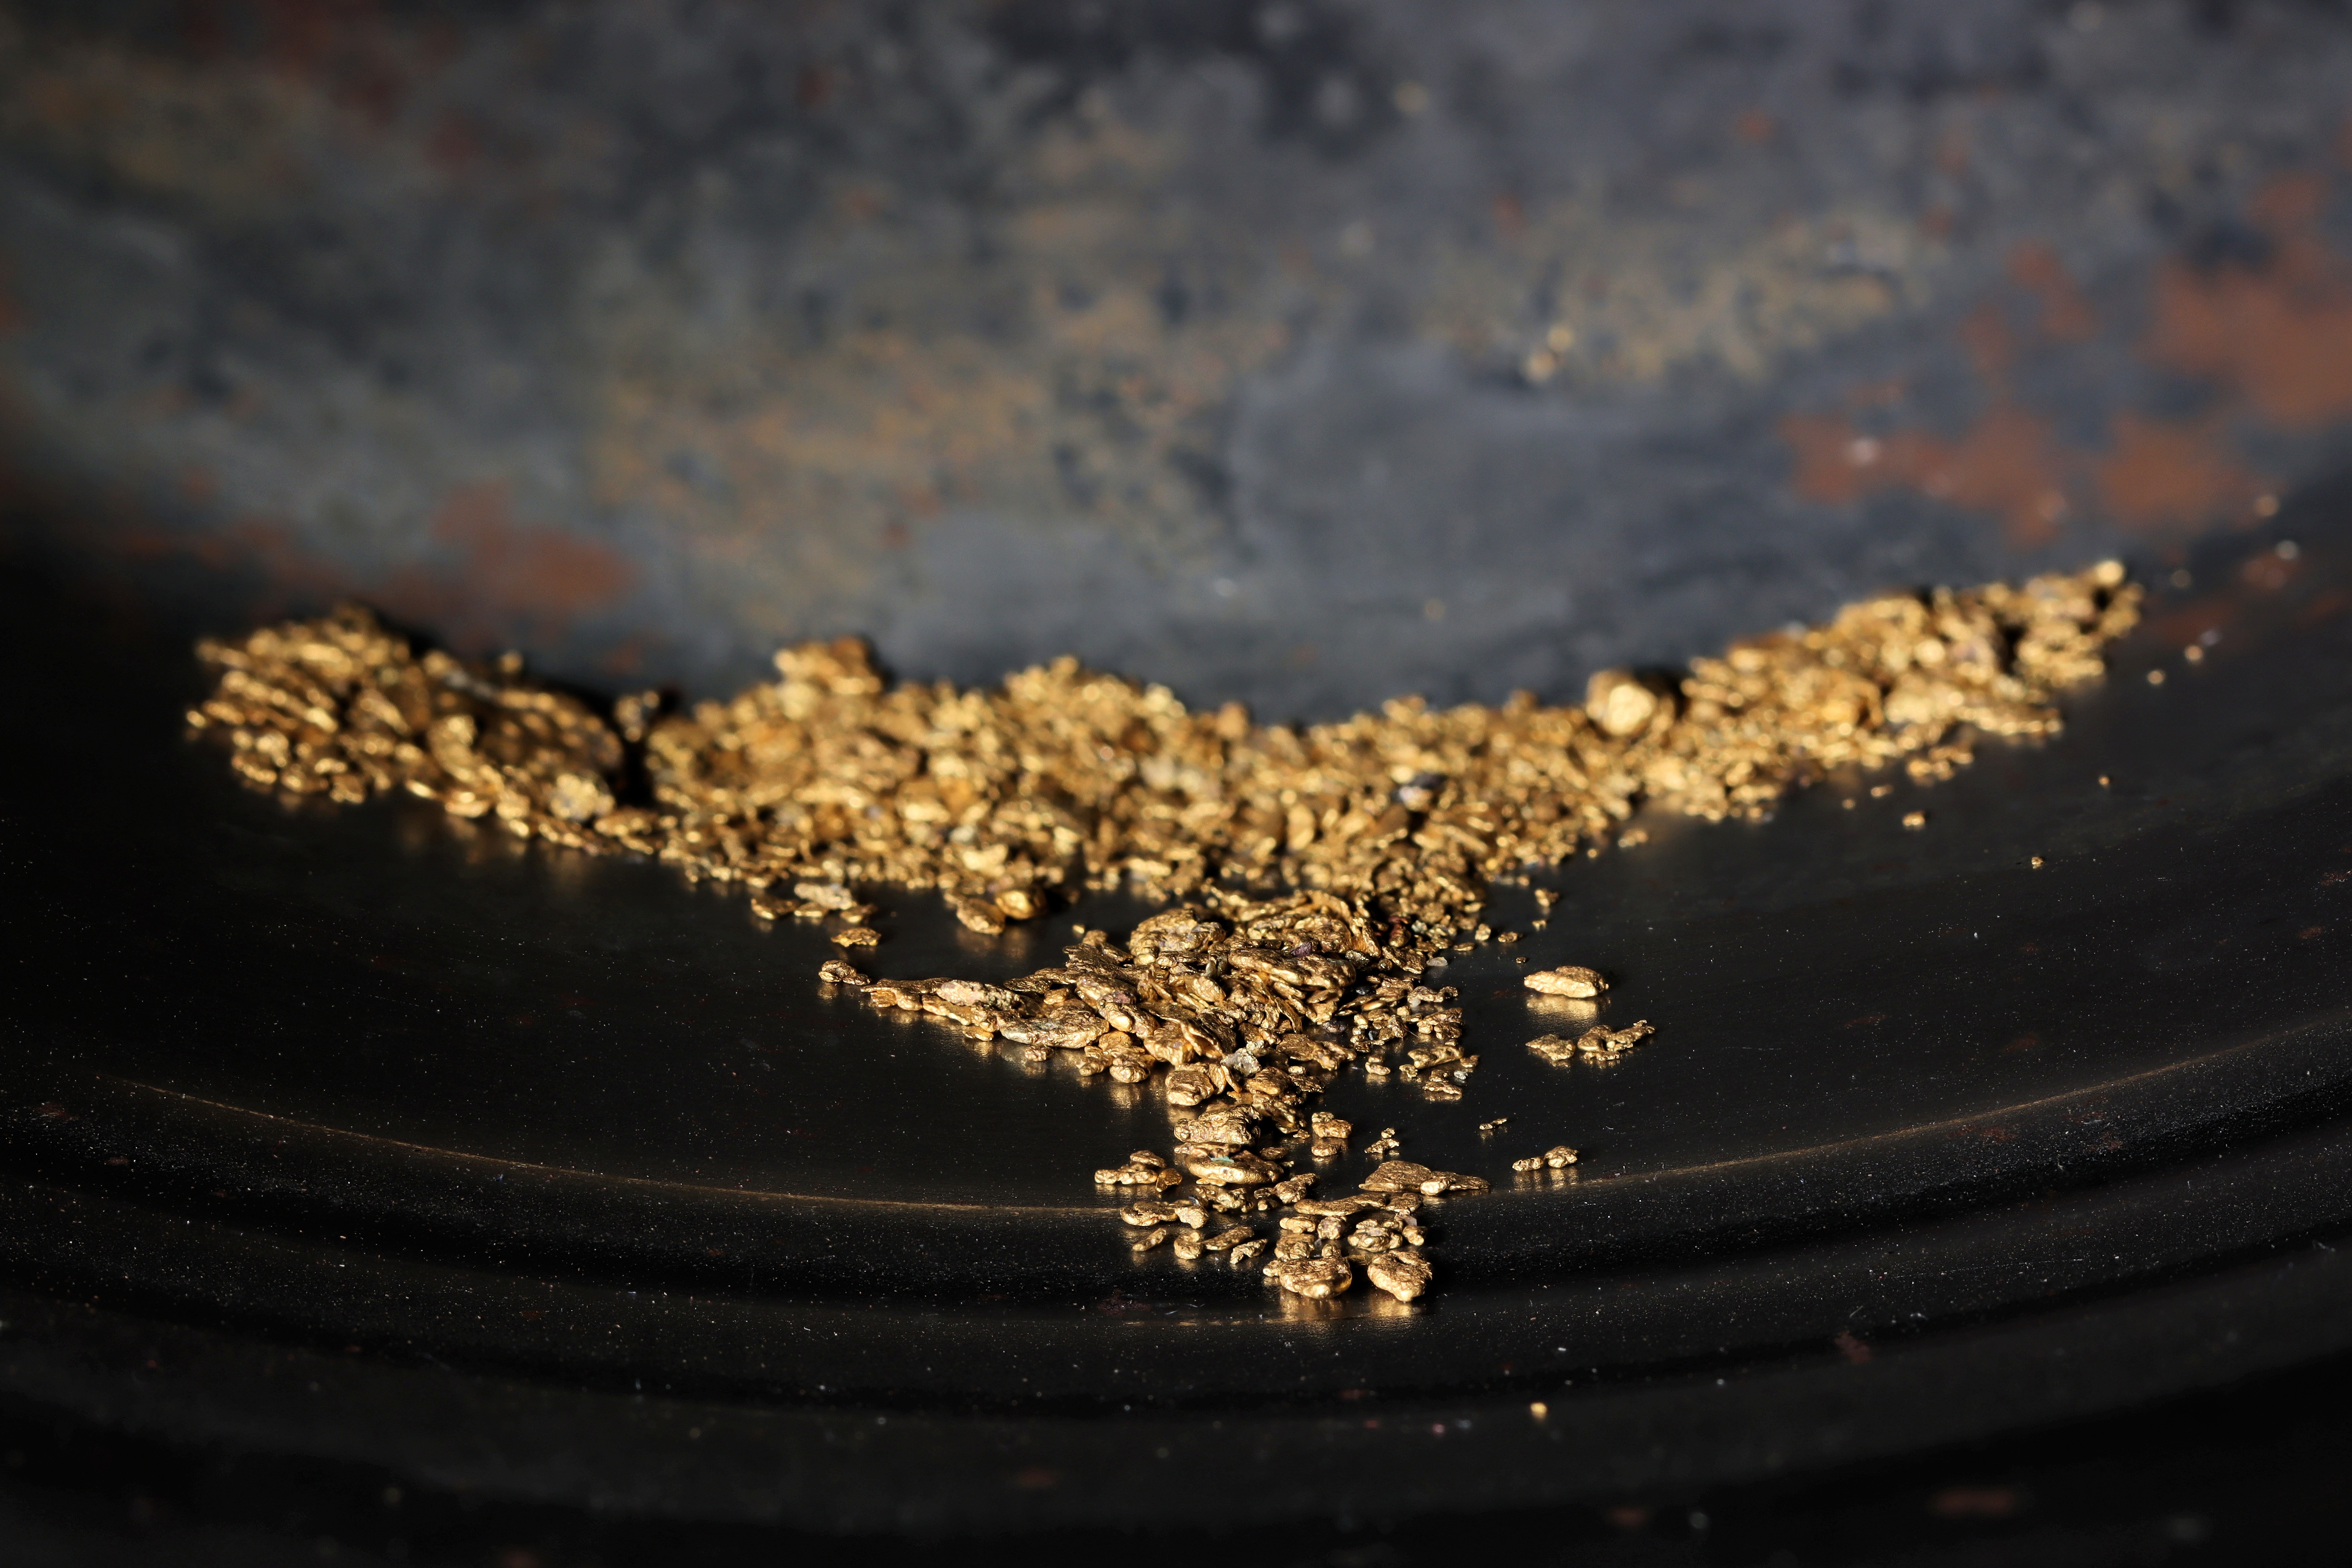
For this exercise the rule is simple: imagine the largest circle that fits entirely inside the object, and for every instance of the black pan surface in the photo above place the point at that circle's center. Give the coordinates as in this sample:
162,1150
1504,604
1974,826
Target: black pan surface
362,1133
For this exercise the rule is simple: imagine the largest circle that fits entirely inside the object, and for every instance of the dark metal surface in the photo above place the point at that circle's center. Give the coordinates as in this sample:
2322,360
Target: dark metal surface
647,335
364,1136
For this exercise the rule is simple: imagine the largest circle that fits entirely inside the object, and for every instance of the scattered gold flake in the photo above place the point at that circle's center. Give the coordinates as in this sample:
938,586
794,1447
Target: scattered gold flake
1568,980
1317,875
1599,1042
1316,1278
1915,820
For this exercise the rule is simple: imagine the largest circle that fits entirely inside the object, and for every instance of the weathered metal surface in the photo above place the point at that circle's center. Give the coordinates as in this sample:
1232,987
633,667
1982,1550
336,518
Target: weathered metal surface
1302,351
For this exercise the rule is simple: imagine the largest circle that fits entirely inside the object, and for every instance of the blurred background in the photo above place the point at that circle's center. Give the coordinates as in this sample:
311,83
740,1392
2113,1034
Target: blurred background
1301,350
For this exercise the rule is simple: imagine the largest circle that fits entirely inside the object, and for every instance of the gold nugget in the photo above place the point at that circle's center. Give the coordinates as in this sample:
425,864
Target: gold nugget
1568,980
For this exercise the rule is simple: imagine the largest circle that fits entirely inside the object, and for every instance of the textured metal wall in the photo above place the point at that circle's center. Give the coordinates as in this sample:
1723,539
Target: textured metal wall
1308,350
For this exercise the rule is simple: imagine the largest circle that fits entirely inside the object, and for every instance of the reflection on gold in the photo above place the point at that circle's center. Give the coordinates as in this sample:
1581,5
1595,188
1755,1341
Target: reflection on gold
1562,1009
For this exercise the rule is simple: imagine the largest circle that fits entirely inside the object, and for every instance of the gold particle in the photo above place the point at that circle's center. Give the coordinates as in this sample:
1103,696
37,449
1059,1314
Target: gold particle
1915,820
1568,980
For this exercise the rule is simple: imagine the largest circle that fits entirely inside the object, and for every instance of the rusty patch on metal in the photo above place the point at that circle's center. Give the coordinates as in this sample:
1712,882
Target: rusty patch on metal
2278,335
2172,475
2009,463
506,567
2273,338
2066,313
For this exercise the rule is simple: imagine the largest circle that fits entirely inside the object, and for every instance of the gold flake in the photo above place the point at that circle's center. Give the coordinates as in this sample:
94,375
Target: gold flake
1404,1275
1568,980
1315,1278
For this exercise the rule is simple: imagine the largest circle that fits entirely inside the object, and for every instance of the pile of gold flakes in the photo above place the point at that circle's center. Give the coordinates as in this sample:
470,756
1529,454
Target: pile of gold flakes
1316,873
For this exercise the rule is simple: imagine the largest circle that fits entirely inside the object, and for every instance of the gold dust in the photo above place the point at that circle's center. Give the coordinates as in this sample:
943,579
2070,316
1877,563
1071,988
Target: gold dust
1317,876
